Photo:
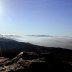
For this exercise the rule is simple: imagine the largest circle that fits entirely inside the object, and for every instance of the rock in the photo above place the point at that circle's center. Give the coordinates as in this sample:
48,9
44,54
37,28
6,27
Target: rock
45,62
3,60
21,64
15,59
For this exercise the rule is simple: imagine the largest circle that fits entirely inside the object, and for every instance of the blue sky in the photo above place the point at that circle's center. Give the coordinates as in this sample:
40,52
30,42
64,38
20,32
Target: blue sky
21,17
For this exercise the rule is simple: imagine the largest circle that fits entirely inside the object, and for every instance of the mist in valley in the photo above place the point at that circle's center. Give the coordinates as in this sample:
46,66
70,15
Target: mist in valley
63,42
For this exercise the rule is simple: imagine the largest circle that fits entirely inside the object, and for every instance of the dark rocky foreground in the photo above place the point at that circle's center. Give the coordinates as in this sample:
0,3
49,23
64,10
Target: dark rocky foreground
25,57
34,62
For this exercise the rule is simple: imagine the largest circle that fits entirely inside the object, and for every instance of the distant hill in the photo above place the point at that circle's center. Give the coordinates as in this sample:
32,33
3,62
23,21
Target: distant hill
40,35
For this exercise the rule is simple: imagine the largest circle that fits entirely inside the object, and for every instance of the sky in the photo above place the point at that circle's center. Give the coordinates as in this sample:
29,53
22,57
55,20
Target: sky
28,17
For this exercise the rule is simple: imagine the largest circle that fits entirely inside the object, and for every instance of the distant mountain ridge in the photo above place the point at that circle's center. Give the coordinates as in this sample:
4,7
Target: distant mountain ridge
9,36
40,35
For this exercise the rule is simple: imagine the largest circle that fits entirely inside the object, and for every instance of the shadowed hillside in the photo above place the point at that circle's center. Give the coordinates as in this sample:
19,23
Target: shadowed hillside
12,48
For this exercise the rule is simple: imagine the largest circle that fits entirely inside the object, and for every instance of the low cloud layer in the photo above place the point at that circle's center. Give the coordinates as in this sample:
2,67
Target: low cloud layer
44,40
64,42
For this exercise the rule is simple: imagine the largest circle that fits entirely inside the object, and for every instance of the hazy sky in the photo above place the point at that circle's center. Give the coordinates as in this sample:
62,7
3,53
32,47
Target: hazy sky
53,17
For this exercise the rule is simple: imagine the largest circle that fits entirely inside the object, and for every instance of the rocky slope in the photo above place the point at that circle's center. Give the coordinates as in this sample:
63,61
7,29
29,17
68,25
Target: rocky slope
33,62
